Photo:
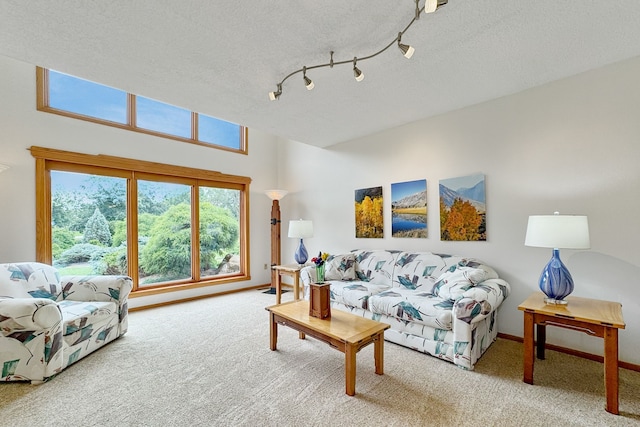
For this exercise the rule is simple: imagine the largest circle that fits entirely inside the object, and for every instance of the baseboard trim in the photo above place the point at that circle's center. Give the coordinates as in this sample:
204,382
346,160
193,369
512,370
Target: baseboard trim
584,355
162,304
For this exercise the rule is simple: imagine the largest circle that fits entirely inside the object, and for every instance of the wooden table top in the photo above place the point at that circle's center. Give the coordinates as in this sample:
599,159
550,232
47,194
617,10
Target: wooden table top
341,325
607,313
288,267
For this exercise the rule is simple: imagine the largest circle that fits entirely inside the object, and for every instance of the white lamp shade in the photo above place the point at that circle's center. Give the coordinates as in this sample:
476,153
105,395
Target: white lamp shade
300,229
276,194
558,231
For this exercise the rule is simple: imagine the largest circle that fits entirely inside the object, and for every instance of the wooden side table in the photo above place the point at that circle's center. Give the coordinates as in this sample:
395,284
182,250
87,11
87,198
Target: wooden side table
291,270
593,317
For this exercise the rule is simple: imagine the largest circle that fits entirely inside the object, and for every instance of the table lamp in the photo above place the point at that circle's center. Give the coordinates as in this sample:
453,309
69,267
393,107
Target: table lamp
557,231
300,229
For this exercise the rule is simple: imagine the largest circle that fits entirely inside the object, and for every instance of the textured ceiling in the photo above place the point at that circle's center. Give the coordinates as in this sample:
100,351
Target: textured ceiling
222,57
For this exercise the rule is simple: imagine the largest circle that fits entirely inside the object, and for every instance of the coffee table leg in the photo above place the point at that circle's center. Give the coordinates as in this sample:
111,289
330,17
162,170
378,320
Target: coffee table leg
350,369
273,331
378,353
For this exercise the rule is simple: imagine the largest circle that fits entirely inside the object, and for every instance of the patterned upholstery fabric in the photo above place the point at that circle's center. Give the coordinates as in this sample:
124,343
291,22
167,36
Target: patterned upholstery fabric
340,267
442,305
48,322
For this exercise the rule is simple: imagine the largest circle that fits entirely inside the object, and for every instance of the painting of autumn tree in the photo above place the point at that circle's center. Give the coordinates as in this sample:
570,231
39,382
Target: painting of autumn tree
368,208
463,209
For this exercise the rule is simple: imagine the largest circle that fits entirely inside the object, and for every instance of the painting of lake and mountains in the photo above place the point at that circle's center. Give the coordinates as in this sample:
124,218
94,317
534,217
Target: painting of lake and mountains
409,209
463,208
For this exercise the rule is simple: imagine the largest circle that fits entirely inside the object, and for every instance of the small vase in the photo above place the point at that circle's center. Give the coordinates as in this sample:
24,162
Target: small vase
319,273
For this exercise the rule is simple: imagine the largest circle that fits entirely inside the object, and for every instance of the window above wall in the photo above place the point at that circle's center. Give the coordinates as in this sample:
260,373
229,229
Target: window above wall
70,96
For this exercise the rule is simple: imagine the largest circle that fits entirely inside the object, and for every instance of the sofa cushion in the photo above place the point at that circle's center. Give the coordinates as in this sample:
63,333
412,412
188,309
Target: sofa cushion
460,278
340,267
29,280
420,270
375,266
414,306
354,293
78,315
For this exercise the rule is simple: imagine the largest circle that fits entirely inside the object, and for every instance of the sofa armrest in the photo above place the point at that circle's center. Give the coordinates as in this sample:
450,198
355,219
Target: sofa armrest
307,276
480,300
28,315
97,288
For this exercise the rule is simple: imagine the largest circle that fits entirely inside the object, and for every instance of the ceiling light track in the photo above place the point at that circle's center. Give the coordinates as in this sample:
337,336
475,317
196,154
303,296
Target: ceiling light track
430,6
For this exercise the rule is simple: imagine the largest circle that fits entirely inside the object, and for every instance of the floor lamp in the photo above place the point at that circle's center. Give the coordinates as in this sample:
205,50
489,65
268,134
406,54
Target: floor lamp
275,196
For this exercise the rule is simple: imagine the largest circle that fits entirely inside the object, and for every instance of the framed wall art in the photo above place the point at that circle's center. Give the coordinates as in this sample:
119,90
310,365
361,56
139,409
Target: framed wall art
409,209
463,208
368,210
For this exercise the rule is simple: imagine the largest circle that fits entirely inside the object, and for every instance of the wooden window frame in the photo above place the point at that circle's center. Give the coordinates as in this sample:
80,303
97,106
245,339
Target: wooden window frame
48,159
43,104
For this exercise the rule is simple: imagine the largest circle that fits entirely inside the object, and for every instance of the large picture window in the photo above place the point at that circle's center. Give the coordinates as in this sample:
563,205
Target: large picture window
71,96
167,227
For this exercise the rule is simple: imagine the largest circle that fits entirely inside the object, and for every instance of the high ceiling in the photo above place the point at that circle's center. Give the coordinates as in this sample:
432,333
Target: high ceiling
222,57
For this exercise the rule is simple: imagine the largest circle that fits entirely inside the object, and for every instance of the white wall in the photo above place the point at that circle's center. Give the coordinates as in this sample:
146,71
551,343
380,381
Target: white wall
21,126
571,146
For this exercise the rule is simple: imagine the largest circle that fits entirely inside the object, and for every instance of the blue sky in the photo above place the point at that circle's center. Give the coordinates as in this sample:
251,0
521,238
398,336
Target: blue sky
462,181
80,96
400,190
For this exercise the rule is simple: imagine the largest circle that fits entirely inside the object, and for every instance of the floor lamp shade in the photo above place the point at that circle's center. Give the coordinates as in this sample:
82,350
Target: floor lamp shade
557,232
299,229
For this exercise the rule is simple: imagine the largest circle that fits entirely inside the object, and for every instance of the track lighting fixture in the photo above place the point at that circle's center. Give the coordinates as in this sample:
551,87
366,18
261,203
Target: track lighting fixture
359,76
307,81
407,50
275,95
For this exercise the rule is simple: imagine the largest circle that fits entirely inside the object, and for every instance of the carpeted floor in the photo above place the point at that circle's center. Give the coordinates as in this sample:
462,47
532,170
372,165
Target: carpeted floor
208,363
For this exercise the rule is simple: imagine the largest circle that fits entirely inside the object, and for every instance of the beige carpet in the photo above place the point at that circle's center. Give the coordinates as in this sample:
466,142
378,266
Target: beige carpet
208,363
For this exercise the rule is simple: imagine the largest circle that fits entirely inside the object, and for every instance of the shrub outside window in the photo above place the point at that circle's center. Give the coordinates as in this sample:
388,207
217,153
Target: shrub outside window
111,215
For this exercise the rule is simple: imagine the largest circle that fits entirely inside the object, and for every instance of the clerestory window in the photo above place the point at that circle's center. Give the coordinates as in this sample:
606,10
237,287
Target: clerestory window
71,96
168,227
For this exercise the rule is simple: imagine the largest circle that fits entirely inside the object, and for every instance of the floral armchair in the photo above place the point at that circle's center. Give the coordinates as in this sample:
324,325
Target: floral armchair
48,322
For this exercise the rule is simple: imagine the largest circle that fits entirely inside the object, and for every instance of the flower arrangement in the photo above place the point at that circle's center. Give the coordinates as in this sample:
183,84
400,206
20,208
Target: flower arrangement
320,259
319,262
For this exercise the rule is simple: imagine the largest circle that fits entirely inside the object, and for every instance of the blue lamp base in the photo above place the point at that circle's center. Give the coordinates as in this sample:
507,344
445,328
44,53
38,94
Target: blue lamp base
556,281
301,254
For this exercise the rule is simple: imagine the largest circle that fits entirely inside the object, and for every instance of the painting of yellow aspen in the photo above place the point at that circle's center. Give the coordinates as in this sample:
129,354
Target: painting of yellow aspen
463,209
368,205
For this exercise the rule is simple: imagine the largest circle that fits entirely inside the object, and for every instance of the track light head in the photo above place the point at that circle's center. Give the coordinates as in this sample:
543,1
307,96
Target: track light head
276,95
406,49
430,6
307,81
357,74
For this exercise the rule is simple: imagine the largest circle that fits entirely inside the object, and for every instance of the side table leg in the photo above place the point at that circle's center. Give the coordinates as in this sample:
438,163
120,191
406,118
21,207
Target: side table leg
273,331
611,378
528,347
278,287
541,339
350,369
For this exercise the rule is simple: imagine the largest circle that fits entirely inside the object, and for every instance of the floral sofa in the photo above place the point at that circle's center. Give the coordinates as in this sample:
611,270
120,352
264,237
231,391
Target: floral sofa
48,322
439,304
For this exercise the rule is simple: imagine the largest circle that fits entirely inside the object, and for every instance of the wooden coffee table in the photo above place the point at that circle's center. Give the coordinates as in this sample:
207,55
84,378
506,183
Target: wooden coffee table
342,331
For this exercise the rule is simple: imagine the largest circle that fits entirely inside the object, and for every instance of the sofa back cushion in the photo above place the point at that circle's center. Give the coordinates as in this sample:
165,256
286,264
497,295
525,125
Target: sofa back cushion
375,266
29,280
420,270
